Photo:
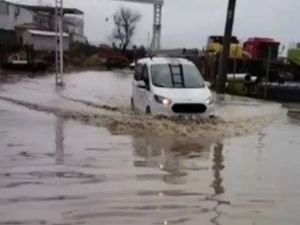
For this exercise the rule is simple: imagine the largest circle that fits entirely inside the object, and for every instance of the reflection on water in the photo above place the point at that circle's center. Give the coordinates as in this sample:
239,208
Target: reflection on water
217,167
187,162
173,155
59,140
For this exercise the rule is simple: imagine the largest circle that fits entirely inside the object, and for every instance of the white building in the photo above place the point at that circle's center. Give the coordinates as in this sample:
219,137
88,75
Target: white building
19,18
43,40
12,15
75,27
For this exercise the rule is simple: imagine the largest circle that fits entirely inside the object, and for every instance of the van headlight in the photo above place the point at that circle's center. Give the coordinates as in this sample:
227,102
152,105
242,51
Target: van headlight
162,100
210,100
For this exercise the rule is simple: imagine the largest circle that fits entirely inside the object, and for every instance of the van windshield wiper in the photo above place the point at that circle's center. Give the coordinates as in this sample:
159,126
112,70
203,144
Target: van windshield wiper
160,85
196,86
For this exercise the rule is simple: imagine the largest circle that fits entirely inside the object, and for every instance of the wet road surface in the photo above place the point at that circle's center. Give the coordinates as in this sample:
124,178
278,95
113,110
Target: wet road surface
55,170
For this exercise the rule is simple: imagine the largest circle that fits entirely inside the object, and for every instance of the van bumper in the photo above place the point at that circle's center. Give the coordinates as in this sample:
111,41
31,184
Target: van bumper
160,109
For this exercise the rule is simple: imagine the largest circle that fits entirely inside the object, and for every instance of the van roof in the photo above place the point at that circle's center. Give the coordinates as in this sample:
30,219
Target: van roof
164,60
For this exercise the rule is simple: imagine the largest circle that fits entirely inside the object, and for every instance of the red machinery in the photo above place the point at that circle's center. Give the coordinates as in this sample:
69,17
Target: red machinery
258,48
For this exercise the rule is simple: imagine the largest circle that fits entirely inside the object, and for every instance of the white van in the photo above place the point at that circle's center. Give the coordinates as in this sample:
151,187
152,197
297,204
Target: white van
170,86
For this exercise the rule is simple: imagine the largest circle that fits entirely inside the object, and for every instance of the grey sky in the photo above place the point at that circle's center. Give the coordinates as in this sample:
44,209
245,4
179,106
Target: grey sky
188,23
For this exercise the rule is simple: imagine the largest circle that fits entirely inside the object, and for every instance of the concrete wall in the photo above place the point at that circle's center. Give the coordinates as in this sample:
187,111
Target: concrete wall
43,43
4,16
78,38
27,38
45,22
74,24
14,16
8,37
46,43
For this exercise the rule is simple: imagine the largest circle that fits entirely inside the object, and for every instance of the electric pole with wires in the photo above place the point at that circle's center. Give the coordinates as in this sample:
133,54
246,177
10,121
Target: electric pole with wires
59,42
223,66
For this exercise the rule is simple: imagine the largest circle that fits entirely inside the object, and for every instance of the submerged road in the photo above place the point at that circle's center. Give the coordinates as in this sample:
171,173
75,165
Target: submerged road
57,170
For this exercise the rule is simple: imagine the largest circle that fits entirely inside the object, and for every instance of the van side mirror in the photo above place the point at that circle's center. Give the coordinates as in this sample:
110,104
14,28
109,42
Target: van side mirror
146,81
207,84
141,84
132,66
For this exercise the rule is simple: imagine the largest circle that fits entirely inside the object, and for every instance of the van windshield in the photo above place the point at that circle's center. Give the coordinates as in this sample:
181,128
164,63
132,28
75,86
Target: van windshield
176,76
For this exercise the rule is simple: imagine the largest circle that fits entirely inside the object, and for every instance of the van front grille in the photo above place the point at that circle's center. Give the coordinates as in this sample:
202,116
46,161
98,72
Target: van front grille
189,108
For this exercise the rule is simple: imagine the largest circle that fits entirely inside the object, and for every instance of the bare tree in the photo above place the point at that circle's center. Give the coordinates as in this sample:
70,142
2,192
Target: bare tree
125,21
44,3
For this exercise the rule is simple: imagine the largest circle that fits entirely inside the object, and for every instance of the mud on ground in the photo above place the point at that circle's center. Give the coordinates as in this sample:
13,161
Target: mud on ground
130,123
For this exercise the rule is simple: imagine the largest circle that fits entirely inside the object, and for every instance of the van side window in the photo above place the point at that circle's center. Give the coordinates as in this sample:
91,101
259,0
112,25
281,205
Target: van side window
138,73
145,77
145,73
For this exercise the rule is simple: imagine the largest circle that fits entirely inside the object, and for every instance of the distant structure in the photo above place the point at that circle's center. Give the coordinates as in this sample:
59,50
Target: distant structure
177,52
35,25
157,21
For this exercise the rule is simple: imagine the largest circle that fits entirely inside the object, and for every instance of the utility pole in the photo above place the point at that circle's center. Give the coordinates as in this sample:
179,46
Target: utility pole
223,66
59,43
157,21
59,140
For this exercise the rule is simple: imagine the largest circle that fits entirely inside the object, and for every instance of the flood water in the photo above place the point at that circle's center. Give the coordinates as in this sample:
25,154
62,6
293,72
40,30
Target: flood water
56,170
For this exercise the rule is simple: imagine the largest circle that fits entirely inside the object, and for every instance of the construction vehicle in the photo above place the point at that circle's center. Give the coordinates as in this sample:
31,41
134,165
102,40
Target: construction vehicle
262,57
213,51
293,58
294,54
258,58
249,57
252,58
215,46
258,48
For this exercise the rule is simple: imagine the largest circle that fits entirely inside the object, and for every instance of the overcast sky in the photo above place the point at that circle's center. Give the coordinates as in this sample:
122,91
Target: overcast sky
188,23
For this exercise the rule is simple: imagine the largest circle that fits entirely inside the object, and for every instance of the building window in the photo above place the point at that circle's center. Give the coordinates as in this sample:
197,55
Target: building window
17,11
4,8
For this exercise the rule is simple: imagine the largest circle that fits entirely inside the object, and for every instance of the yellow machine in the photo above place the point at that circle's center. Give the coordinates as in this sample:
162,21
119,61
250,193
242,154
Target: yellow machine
215,45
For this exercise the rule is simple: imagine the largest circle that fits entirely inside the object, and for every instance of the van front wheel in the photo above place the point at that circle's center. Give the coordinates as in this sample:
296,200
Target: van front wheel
148,110
132,105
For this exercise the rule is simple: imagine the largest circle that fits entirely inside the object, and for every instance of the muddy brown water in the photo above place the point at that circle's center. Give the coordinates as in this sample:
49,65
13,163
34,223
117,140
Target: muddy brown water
54,170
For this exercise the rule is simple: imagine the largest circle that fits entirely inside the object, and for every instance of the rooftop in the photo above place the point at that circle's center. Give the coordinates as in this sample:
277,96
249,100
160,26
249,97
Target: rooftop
45,33
47,9
51,9
164,60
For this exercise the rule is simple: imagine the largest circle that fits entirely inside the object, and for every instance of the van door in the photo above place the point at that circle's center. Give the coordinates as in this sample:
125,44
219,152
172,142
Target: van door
146,92
137,91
